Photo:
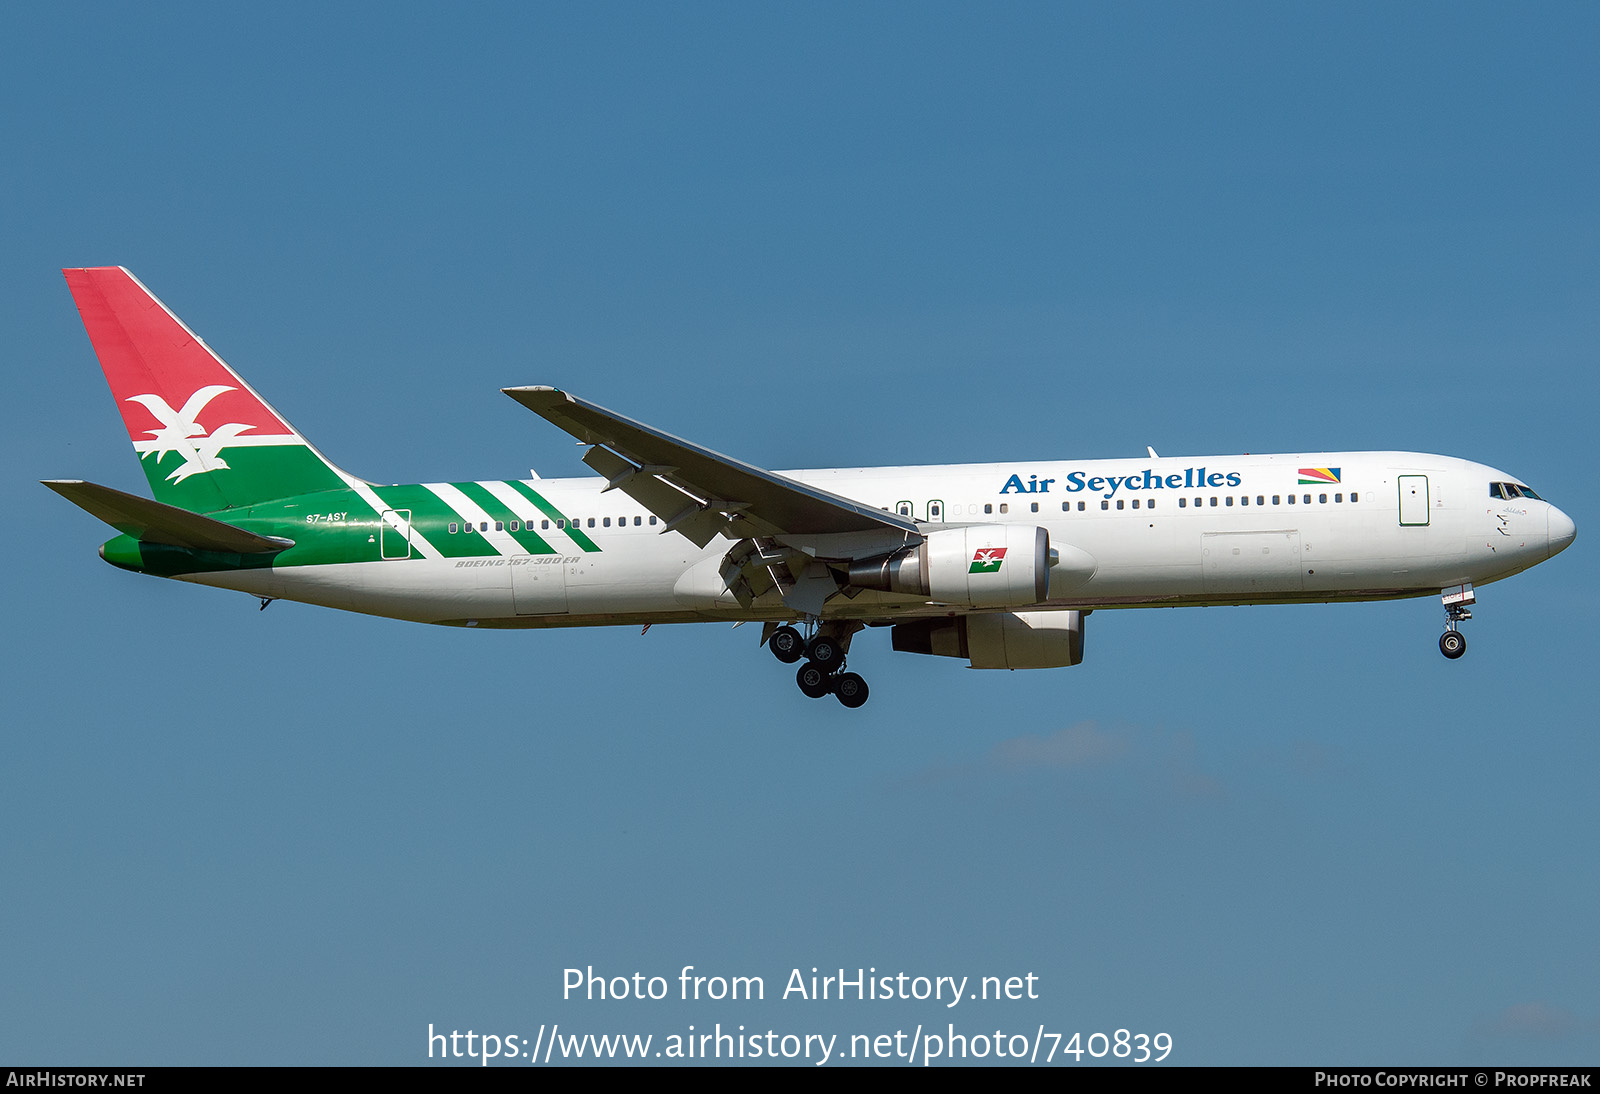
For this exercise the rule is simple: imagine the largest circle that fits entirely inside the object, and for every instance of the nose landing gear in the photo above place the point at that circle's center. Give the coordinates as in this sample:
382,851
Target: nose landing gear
1457,600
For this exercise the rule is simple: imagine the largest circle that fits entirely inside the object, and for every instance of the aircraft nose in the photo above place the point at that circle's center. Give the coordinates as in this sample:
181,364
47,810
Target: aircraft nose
1562,531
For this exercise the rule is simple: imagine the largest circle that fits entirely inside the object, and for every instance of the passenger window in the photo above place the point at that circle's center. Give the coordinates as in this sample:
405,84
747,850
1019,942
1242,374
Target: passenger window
1082,505
1260,500
499,526
591,522
1004,507
483,526
1291,499
1338,497
1322,499
544,524
1151,504
1183,502
638,521
1119,503
606,522
562,523
1229,500
515,526
1353,497
1213,502
1066,507
1306,498
452,528
1035,507
1245,500
1136,503
1105,505
652,520
987,508
1277,499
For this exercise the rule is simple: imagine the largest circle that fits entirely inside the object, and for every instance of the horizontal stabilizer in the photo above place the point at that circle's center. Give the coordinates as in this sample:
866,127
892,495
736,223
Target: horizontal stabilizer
153,522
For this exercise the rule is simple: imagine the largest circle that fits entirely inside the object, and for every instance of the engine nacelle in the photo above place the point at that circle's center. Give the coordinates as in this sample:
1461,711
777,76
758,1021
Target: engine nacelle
998,640
978,566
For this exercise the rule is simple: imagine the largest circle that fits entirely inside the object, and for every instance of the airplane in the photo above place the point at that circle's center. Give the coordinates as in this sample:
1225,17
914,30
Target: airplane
995,564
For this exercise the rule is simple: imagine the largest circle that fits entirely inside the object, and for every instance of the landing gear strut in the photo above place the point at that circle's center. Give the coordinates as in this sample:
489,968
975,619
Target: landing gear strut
824,661
1457,600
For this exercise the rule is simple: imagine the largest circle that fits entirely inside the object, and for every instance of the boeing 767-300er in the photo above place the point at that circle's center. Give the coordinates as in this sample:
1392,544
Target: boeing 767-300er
997,564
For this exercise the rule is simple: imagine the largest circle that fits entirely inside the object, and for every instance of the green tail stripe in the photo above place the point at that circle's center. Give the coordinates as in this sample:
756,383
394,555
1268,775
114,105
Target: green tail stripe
527,537
253,474
553,513
432,516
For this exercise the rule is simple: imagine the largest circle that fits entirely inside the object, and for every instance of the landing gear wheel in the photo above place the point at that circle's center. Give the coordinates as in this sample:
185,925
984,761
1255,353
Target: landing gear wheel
813,681
850,688
1452,644
825,652
787,645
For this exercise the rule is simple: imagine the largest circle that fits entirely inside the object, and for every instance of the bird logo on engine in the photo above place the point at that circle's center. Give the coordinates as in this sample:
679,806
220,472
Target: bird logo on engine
987,560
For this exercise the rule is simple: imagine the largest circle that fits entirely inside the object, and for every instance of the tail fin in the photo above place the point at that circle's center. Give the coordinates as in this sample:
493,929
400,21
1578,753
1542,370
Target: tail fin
184,407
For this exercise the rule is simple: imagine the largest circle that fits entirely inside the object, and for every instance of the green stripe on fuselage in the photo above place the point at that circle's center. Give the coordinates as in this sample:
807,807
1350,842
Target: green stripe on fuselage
339,526
553,513
530,540
432,517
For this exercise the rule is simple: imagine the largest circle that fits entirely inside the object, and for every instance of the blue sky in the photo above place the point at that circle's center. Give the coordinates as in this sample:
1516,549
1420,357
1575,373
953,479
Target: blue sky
806,235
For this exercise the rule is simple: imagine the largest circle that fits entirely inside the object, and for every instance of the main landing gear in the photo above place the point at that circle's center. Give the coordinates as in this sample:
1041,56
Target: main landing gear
1457,600
824,658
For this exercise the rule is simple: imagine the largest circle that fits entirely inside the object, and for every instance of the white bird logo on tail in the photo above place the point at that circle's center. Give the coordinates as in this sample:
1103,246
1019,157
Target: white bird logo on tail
179,431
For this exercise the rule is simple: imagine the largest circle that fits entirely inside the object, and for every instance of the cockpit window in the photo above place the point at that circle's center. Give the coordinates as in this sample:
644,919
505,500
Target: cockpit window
1510,490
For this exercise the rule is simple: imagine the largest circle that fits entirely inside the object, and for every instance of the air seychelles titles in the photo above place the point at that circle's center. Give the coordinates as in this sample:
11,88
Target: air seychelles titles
1076,482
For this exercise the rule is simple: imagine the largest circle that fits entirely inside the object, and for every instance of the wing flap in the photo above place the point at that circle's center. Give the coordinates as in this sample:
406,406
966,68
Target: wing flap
695,517
155,522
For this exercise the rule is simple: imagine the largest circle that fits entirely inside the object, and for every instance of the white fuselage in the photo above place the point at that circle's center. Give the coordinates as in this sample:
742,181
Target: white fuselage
1136,532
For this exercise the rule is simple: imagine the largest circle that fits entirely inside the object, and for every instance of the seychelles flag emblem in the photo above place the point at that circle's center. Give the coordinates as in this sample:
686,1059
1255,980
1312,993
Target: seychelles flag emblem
987,560
1317,476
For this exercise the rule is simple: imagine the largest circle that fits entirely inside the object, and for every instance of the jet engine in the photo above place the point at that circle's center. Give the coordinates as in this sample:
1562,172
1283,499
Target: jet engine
977,566
998,640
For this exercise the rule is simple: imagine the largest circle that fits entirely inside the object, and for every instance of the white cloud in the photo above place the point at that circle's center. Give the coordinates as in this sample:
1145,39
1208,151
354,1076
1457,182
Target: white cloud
1534,1020
1081,745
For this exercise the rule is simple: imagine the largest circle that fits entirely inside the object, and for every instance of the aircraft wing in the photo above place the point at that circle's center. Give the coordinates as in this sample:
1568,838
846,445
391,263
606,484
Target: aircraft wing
702,493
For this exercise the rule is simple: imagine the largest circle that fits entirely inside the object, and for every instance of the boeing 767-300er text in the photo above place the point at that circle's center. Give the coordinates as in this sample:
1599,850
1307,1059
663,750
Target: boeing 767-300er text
997,564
